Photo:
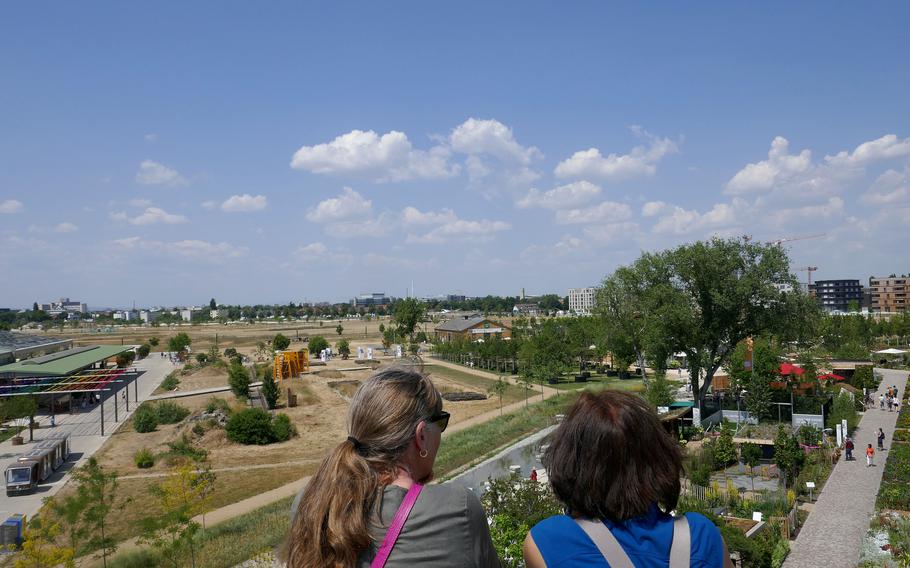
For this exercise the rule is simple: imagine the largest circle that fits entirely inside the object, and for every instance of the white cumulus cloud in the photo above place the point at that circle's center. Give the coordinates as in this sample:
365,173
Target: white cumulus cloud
414,216
10,206
491,137
891,187
886,147
244,203
156,215
652,208
389,157
562,197
461,230
153,173
346,206
682,221
191,249
311,251
66,227
641,161
606,212
766,174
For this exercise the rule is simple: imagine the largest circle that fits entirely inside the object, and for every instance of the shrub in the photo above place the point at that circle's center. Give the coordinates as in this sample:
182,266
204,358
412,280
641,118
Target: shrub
317,343
901,436
202,358
239,379
280,342
179,342
256,426
230,353
144,350
184,447
145,419
198,429
170,412
125,359
217,403
270,390
153,341
170,382
282,428
250,426
144,458
343,346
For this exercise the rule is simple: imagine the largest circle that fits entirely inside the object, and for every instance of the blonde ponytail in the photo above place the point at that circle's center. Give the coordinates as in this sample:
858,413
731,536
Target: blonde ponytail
332,523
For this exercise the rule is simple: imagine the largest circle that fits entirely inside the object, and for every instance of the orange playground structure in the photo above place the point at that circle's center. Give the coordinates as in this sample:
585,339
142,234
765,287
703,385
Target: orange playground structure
289,364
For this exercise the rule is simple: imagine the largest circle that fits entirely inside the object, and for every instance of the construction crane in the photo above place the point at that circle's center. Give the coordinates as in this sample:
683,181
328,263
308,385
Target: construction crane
810,270
781,241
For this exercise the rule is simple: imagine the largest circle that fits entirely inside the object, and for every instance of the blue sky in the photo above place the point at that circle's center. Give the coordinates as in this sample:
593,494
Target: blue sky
292,151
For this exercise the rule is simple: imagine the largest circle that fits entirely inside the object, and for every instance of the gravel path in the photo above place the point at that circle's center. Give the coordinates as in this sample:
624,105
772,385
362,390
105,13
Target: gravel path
833,534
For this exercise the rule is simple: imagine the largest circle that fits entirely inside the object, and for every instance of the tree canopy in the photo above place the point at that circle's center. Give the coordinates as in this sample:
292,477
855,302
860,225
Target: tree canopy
407,314
703,298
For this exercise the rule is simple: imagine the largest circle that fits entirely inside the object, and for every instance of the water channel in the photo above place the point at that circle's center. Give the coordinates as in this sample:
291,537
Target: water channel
521,457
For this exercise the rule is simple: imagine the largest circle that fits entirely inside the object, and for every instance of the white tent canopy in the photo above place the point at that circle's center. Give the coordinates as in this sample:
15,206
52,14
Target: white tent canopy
890,351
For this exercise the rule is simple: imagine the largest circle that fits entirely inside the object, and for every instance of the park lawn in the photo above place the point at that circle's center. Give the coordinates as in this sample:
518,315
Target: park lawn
513,393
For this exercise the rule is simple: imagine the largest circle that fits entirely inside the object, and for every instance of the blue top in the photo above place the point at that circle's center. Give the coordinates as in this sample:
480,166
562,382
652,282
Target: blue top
646,540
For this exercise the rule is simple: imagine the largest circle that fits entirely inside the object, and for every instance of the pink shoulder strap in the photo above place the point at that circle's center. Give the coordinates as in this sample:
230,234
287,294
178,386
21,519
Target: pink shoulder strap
391,536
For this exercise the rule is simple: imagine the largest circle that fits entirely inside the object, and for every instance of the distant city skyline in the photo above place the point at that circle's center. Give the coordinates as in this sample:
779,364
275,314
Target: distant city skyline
166,154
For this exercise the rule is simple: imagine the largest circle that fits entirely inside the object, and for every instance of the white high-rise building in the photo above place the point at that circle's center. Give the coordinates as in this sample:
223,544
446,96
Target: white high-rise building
582,300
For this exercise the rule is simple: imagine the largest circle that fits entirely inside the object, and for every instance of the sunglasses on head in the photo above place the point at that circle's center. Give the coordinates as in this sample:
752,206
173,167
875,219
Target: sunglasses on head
440,419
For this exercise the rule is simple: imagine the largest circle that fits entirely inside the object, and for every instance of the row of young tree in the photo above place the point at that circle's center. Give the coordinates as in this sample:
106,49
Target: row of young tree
79,522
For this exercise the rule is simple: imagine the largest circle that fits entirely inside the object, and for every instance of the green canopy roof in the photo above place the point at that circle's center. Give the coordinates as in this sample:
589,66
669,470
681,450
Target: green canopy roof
64,362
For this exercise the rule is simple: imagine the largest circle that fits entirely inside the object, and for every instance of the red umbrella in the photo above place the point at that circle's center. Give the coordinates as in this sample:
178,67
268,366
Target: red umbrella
790,369
831,377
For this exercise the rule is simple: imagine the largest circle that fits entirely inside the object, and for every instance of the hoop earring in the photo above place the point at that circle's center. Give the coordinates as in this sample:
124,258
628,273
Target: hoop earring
423,453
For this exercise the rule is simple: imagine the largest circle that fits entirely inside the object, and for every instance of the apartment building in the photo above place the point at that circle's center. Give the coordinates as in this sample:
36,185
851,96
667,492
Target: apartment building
889,294
582,300
839,295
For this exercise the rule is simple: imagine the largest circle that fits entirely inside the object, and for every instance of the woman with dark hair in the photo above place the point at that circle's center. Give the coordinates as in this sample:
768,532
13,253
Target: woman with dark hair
367,504
618,474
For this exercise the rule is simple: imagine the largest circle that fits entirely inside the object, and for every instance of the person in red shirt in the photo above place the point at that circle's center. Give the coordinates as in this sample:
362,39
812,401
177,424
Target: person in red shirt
533,474
849,447
870,453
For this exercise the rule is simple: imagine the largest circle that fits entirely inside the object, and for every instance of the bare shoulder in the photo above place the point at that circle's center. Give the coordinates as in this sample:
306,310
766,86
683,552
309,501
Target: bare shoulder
533,559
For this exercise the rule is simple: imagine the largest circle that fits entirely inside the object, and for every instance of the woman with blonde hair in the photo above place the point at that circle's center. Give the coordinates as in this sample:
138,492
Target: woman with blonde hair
368,505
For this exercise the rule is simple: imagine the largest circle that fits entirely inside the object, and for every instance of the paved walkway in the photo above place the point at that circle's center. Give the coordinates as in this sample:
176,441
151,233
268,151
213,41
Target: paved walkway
833,534
84,429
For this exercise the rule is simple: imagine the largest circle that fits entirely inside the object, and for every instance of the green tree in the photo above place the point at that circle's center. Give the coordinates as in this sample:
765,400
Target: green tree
250,426
864,378
98,489
270,390
724,448
339,329
280,342
239,380
751,456
263,351
68,513
843,408
40,549
317,343
343,347
179,342
144,350
212,304
498,389
407,314
16,408
787,455
153,341
514,505
659,391
706,297
172,530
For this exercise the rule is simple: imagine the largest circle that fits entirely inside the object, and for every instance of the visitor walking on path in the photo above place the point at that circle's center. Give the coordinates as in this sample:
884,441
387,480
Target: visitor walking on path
849,447
833,534
870,454
881,401
881,439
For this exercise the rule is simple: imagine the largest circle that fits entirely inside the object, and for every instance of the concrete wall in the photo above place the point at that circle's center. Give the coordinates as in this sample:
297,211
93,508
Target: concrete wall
816,420
734,416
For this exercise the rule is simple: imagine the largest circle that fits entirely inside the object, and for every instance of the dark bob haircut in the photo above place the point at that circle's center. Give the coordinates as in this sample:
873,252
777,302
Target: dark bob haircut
611,458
